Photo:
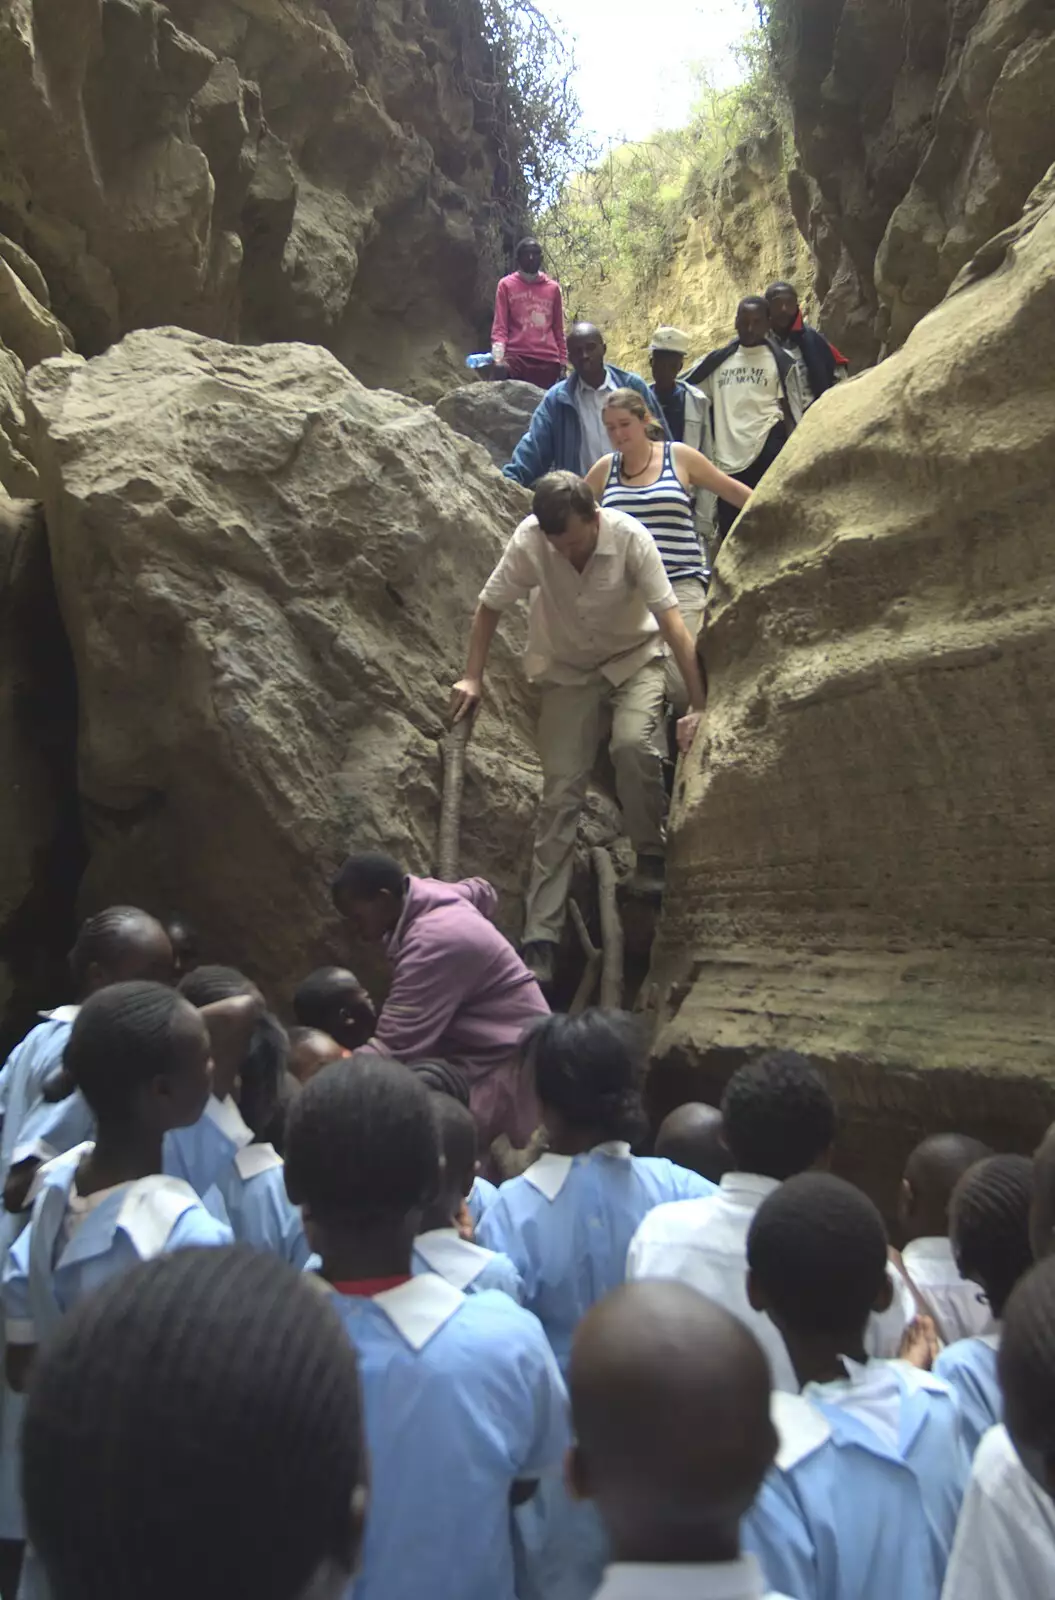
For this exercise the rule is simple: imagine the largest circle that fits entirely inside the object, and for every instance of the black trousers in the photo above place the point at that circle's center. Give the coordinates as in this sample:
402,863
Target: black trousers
776,439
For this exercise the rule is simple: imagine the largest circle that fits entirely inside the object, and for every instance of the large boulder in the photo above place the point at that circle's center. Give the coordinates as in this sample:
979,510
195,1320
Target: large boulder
496,415
864,835
267,574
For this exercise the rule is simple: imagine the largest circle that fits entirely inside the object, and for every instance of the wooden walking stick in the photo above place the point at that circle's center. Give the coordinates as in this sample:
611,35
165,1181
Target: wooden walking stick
594,957
611,931
453,752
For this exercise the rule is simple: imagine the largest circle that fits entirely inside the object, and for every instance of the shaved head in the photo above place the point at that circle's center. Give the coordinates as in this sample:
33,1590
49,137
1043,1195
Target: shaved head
670,1400
691,1136
1042,1211
932,1172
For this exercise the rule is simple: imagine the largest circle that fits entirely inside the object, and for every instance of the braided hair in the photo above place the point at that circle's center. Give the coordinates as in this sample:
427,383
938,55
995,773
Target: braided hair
127,1034
265,1062
989,1225
777,1115
217,1396
103,941
590,1069
362,1141
818,1249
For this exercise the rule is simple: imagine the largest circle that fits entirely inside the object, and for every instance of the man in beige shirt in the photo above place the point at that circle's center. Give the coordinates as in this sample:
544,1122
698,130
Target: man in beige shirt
601,610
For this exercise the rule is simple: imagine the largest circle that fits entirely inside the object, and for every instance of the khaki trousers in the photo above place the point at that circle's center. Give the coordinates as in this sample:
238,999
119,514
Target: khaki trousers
691,597
572,722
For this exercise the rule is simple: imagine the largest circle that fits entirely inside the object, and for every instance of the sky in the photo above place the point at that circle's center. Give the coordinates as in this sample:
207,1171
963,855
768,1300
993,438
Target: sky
637,58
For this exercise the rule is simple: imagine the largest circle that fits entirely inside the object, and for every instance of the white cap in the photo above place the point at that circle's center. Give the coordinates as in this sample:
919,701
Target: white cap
670,339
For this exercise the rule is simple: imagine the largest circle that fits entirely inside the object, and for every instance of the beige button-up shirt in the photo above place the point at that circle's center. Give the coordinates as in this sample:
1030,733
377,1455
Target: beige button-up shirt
582,623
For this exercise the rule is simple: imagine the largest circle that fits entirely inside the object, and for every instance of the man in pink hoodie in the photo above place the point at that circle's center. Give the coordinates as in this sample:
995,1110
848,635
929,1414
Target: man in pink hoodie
460,993
527,336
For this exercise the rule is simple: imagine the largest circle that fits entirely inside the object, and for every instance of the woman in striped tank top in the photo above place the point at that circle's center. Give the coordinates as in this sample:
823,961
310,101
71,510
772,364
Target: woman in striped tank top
653,480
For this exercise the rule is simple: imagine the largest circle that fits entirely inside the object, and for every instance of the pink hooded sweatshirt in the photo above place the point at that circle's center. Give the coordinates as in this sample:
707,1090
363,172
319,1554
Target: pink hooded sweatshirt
460,993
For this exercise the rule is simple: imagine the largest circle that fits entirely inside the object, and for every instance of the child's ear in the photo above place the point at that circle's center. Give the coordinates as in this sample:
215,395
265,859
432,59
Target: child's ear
905,1201
885,1298
756,1298
577,1475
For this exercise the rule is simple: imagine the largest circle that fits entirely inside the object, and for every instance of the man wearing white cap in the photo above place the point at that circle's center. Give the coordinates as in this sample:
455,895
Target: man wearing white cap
688,416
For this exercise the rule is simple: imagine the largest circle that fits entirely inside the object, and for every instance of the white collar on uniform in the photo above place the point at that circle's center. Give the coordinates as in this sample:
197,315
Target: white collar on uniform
454,1258
253,1159
725,1580
935,1250
549,1173
420,1308
747,1188
225,1115
801,1428
150,1210
60,1014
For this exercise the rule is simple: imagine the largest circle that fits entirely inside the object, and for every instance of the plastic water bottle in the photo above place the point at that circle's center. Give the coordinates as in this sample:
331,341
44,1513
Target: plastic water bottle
486,359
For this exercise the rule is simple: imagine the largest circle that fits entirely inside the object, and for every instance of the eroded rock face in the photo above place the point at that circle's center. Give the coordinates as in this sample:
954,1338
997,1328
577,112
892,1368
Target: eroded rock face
267,573
921,133
864,837
278,169
496,415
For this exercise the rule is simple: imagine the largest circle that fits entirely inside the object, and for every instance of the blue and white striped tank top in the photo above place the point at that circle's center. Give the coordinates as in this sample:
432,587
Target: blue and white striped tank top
666,509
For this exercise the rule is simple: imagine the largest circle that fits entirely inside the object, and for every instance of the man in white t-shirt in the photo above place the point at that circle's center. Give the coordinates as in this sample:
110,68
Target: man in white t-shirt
755,393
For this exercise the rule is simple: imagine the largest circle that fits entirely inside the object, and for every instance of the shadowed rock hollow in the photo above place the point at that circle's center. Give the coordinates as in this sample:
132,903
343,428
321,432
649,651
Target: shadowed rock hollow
266,573
863,847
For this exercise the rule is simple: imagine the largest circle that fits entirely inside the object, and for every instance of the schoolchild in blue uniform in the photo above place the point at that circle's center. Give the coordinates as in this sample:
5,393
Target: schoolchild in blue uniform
567,1222
670,1401
222,1395
247,1173
443,1078
481,1197
119,943
989,1228
140,1055
817,1254
440,1246
465,1408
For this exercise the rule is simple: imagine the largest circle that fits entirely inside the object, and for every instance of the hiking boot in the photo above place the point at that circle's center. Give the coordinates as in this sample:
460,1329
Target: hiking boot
540,958
649,877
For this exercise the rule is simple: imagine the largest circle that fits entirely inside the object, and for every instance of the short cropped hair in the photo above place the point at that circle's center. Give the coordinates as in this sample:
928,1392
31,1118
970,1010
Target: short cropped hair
757,302
362,1142
101,939
215,1392
778,1115
989,1225
818,1248
591,1069
365,874
1026,1360
322,993
558,497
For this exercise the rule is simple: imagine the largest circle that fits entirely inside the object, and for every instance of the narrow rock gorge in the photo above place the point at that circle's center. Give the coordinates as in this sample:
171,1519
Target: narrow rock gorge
862,844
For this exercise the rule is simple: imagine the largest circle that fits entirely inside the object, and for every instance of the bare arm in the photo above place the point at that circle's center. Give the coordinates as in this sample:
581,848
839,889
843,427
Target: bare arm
683,649
703,474
597,476
467,692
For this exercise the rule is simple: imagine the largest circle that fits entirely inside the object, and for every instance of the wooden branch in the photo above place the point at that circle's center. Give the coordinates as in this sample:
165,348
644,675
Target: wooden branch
453,748
611,931
593,958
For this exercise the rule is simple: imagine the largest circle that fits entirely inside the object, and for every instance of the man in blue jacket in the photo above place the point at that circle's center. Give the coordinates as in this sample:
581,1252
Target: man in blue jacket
567,432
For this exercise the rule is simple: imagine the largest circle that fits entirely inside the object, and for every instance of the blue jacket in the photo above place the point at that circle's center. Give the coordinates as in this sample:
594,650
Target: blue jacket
554,439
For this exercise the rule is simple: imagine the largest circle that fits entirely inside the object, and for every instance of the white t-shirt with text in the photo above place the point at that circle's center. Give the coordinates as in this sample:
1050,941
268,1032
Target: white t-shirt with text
745,392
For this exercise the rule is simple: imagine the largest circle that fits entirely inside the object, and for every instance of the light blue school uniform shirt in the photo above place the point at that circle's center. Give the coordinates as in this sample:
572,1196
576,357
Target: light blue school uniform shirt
480,1196
198,1154
915,1416
969,1367
468,1266
462,1399
567,1222
22,1079
839,1516
72,1246
252,1188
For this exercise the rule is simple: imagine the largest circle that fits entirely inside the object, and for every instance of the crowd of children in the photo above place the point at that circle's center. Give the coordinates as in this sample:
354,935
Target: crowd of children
267,1330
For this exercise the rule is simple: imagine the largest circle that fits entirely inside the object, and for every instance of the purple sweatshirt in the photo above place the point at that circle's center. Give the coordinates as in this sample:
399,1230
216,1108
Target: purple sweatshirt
459,990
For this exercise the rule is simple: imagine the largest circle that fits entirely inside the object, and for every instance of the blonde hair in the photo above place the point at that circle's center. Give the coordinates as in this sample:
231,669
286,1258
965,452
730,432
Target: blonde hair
630,400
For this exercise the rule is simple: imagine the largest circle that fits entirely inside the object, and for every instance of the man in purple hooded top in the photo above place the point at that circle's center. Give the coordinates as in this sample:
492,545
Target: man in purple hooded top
460,993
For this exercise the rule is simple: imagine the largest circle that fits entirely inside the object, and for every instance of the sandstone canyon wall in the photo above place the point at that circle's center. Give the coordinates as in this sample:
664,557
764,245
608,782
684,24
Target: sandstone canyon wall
864,837
921,127
249,169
